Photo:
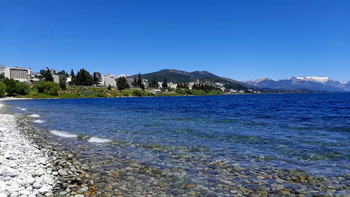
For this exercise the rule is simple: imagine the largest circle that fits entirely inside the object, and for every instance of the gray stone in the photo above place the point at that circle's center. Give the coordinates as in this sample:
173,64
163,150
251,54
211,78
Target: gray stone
62,172
82,190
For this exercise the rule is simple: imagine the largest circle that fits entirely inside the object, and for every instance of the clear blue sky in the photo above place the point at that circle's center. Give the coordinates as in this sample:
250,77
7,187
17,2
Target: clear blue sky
240,39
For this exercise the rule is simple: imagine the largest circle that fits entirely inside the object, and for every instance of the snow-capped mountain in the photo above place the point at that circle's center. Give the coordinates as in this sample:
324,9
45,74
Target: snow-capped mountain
123,75
311,83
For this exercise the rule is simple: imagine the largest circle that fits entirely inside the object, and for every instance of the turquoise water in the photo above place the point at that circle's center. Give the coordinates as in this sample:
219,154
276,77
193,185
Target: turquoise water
307,132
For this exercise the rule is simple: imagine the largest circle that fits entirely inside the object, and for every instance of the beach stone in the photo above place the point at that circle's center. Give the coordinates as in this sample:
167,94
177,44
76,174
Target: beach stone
82,190
37,185
40,172
79,195
3,195
14,194
24,192
62,172
30,180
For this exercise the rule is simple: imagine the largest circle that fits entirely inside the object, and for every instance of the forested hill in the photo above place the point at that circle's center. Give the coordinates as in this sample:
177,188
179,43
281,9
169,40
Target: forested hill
177,76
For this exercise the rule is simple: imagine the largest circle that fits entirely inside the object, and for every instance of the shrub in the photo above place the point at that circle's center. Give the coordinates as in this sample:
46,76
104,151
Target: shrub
52,88
40,86
215,92
138,93
181,92
22,88
126,93
2,89
10,86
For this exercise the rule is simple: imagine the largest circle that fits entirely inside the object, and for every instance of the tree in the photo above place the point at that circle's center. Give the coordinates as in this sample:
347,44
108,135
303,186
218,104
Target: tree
10,86
40,86
83,78
22,88
48,76
52,88
154,83
63,73
2,89
62,85
2,77
164,84
122,83
139,80
95,79
73,77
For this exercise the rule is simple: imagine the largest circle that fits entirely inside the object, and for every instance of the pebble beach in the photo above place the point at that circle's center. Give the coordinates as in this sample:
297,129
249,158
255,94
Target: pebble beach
30,167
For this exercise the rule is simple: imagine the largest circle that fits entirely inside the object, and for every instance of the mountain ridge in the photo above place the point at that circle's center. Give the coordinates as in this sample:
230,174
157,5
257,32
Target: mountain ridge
306,82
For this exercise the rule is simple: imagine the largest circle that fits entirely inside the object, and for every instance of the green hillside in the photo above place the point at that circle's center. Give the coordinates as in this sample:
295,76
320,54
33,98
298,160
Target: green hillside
177,76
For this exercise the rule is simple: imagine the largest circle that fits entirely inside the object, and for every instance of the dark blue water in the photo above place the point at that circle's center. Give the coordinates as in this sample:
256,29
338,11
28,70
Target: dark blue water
310,132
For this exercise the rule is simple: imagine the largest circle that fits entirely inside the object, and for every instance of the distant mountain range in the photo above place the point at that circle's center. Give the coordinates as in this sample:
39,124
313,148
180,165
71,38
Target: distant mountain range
177,76
310,83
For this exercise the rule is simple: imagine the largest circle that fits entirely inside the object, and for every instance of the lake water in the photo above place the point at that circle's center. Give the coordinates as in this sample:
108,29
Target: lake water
208,145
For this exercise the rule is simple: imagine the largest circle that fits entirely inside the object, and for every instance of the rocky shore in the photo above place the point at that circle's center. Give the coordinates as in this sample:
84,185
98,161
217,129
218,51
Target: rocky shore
30,166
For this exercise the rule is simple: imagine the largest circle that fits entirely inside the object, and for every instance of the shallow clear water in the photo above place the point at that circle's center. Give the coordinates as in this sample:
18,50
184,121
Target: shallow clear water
310,132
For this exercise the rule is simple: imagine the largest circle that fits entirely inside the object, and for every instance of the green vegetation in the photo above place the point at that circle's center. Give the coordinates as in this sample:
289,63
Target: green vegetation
122,84
83,78
46,75
2,77
139,93
138,82
164,84
2,89
22,88
154,83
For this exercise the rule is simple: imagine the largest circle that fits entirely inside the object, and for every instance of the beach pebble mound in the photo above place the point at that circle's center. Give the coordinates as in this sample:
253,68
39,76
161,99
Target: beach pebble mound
25,170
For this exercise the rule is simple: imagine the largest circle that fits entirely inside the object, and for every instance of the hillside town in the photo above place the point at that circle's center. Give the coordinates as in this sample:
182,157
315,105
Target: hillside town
30,77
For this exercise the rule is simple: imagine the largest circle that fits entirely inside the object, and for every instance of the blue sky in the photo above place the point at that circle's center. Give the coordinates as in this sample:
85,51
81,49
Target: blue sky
240,39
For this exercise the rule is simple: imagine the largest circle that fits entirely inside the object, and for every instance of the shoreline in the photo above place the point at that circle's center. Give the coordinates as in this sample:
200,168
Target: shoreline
116,172
31,166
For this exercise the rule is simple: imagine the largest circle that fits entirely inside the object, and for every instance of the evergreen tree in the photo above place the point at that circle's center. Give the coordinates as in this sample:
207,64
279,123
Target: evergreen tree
139,81
48,76
95,79
164,84
2,77
154,83
73,77
134,83
122,83
83,78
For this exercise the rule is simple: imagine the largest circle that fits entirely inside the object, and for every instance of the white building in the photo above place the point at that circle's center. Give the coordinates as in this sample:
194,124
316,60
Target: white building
109,80
18,73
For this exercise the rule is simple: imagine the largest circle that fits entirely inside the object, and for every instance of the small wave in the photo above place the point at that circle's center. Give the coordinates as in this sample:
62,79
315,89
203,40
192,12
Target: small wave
38,121
23,109
34,115
1,105
63,134
98,140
